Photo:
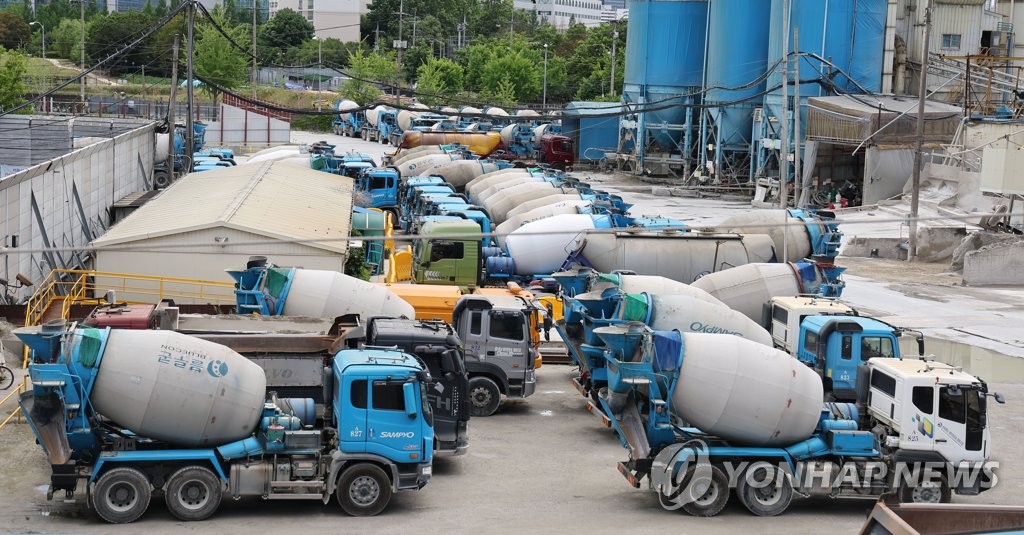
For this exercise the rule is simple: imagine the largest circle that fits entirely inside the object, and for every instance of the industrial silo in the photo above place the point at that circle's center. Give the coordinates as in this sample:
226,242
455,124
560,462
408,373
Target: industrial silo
847,36
664,72
737,59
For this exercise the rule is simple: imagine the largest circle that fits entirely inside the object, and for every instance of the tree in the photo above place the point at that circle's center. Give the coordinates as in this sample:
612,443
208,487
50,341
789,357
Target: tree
14,31
286,29
439,80
366,72
107,35
217,60
522,73
12,73
64,41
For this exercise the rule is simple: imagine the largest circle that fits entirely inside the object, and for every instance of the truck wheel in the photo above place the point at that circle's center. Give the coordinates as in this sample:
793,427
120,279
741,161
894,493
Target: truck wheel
925,491
122,495
160,179
764,490
484,396
712,500
192,493
363,490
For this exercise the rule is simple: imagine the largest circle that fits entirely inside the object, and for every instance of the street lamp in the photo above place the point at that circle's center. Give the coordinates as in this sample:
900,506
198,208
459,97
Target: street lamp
545,103
44,35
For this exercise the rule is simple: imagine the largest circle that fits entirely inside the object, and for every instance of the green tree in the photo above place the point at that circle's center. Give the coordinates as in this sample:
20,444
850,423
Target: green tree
286,29
64,41
12,84
14,31
109,34
524,75
438,81
366,71
217,60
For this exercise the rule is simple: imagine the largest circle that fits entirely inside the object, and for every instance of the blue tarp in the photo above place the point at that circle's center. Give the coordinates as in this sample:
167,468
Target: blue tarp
668,350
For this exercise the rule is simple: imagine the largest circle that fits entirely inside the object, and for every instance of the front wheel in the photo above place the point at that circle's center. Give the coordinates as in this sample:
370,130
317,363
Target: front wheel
363,490
122,495
764,490
193,493
484,396
925,491
6,377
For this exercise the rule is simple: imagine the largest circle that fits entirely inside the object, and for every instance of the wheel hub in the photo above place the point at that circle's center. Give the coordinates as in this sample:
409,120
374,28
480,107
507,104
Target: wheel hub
364,490
121,497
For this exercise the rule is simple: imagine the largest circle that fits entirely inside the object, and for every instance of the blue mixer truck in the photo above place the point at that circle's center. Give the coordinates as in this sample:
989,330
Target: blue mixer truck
705,416
128,415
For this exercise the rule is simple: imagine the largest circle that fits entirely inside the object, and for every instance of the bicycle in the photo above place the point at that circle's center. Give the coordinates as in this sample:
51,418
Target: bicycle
6,377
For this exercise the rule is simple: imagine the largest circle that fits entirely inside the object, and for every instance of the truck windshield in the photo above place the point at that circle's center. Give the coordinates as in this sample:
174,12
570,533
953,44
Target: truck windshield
876,346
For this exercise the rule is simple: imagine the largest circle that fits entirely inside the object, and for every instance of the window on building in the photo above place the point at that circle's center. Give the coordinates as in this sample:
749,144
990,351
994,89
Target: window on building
951,41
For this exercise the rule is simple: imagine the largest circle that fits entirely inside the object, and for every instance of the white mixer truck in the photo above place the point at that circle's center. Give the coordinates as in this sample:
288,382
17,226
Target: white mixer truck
705,414
126,415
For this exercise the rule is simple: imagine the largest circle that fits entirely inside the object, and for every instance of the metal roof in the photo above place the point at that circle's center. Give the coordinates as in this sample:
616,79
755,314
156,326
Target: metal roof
607,109
273,199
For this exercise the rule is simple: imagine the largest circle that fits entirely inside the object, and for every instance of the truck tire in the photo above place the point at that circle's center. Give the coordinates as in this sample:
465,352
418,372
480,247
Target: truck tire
161,179
122,495
764,490
925,492
713,500
484,396
363,490
193,493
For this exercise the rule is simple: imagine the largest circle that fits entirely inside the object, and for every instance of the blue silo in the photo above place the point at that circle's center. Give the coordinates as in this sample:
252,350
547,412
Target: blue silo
848,33
737,56
664,66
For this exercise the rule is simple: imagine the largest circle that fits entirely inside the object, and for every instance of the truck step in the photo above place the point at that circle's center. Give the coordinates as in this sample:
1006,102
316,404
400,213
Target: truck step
294,496
296,485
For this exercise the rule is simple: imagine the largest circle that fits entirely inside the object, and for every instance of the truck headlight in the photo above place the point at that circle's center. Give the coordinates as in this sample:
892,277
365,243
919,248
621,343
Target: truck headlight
428,470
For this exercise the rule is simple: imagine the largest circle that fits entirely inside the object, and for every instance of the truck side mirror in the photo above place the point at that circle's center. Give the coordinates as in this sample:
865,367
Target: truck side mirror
411,399
1000,399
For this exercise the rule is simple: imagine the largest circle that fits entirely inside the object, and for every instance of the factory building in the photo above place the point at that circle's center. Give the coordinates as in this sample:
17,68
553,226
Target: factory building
215,220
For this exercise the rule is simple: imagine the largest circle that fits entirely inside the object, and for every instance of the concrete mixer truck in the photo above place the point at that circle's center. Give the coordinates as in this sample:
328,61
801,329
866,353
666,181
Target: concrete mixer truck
705,416
126,415
499,329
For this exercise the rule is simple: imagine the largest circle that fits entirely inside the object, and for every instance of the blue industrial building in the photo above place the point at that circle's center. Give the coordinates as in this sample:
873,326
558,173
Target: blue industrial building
593,127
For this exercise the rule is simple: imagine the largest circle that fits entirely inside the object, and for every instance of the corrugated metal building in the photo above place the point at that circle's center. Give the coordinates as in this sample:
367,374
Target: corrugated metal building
593,126
215,220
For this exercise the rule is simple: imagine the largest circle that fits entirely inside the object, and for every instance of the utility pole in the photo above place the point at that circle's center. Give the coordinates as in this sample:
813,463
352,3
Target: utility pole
511,22
81,83
170,108
784,127
915,183
400,46
797,175
189,132
615,38
254,71
544,103
376,39
320,67
415,19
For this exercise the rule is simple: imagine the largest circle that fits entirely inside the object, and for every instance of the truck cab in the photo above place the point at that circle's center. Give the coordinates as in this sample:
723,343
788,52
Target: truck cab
449,254
835,345
557,151
381,185
436,344
500,337
783,315
932,412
